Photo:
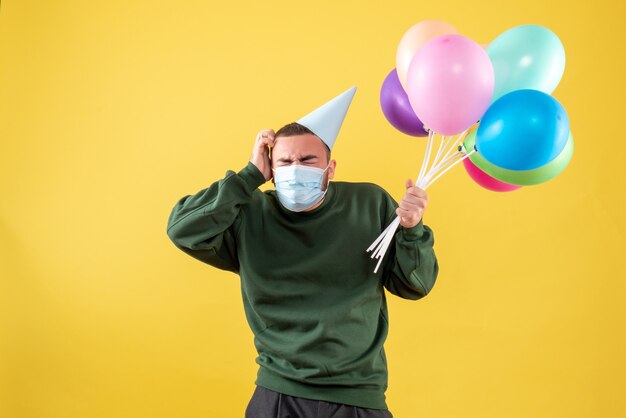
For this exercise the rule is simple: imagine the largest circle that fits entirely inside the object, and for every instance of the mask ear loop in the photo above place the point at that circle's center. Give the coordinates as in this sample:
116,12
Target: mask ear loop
328,182
326,189
323,195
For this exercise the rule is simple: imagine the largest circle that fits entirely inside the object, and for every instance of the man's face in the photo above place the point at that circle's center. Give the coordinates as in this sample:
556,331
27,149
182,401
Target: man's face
307,149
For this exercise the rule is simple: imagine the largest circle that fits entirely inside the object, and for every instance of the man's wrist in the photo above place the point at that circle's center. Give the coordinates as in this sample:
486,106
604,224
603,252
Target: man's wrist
252,176
413,233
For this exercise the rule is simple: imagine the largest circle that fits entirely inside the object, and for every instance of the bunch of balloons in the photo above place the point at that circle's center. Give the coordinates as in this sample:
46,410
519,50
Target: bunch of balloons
494,102
524,136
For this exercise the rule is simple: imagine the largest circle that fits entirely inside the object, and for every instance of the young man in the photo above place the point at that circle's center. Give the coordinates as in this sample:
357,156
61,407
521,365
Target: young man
317,310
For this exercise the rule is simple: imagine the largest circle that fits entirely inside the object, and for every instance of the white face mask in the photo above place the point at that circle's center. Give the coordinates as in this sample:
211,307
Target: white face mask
299,187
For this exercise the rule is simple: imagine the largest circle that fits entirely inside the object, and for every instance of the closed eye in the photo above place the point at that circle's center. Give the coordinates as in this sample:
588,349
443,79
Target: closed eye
304,159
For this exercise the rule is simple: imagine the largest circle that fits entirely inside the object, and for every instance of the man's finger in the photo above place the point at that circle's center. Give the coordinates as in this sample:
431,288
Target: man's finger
409,205
403,213
412,199
417,192
409,215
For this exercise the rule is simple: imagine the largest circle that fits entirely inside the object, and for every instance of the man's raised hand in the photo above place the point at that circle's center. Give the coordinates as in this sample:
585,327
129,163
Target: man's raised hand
260,153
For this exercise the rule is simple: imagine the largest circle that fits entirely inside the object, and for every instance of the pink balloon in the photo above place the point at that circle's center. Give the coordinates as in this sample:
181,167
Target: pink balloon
450,83
485,180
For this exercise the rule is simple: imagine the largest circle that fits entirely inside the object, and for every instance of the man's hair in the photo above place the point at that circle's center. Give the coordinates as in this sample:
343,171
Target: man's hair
294,128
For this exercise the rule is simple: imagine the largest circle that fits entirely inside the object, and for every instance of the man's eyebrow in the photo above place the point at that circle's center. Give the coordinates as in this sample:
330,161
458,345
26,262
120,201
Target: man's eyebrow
303,158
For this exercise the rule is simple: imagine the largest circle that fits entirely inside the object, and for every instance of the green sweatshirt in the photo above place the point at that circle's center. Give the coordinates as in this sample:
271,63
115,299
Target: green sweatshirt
317,310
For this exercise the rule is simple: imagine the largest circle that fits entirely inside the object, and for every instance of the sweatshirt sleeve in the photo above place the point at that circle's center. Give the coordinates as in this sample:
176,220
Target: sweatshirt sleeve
205,225
411,267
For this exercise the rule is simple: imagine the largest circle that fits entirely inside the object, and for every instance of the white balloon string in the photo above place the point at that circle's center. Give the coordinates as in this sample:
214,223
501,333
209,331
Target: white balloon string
381,247
442,162
380,252
386,243
420,181
447,158
380,237
441,145
376,252
423,171
452,165
440,166
426,155
455,143
449,161
378,264
430,152
422,168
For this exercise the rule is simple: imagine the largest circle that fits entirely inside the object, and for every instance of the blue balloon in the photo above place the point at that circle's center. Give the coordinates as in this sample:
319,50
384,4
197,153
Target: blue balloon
523,130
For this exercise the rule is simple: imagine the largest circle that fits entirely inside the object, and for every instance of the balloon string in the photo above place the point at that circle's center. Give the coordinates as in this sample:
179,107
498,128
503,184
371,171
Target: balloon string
437,168
452,165
455,143
449,161
431,135
441,145
446,158
430,150
381,244
386,242
444,143
422,168
380,237
391,229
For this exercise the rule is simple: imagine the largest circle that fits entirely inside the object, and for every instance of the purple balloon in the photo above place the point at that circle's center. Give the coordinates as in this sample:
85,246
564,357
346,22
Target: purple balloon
397,108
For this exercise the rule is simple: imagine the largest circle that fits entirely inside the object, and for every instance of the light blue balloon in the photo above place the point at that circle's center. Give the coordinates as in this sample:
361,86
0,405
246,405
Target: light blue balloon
523,130
526,57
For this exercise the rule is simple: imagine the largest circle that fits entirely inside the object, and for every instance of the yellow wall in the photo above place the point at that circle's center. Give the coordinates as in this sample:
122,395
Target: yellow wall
111,111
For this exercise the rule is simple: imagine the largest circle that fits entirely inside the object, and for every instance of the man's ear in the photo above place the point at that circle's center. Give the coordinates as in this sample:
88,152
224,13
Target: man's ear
331,169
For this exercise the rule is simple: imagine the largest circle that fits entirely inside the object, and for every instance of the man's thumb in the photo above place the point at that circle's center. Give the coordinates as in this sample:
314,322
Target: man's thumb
409,183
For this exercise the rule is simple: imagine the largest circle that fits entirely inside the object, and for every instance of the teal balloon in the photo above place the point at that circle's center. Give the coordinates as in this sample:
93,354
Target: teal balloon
526,57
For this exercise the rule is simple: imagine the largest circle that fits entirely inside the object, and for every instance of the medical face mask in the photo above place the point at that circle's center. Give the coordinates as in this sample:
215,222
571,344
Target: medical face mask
298,186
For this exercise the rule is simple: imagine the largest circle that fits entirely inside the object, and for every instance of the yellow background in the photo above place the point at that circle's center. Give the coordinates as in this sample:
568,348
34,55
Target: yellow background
111,111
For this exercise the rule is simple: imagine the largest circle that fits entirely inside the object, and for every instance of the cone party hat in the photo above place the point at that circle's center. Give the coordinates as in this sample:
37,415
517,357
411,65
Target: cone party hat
326,120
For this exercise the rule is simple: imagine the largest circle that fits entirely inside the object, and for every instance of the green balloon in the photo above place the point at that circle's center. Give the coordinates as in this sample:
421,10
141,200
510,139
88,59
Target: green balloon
521,177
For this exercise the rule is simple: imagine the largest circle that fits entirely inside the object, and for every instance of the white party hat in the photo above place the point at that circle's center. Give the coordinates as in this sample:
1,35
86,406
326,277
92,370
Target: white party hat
326,120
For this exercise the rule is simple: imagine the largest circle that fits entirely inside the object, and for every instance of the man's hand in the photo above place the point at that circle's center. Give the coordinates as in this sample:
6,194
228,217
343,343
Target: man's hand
413,204
260,153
